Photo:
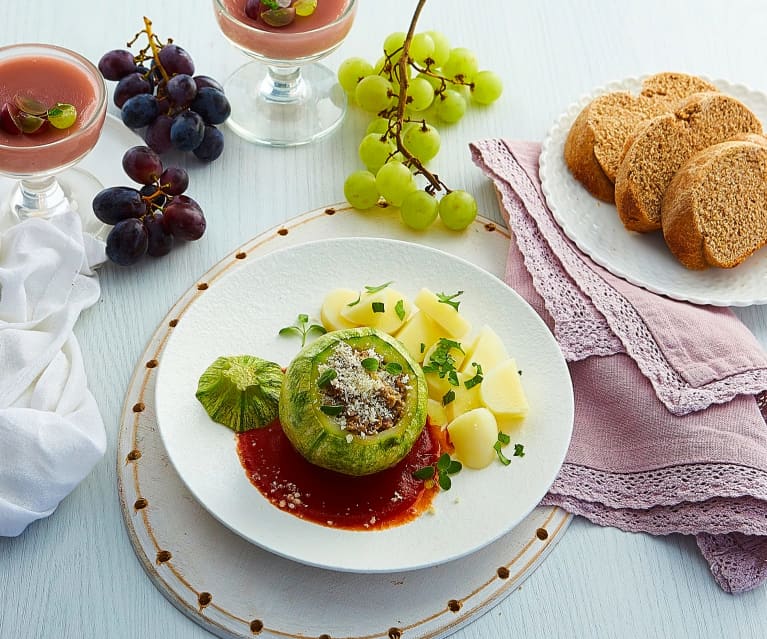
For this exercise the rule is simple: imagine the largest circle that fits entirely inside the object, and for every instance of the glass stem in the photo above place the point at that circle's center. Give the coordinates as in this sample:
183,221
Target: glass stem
283,84
40,197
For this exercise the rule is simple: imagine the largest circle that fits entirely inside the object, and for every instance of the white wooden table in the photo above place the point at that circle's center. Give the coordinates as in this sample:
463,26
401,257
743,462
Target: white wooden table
74,575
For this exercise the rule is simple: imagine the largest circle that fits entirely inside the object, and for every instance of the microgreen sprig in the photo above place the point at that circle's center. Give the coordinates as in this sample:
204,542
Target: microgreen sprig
444,468
303,328
444,298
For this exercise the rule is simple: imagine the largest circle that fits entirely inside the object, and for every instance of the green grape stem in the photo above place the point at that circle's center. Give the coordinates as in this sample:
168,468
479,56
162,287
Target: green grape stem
402,65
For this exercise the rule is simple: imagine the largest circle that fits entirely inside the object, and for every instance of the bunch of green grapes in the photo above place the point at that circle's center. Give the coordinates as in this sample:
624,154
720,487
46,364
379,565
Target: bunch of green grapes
419,82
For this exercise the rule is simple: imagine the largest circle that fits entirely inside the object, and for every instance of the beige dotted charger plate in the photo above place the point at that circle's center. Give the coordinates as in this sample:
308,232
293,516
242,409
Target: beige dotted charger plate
235,589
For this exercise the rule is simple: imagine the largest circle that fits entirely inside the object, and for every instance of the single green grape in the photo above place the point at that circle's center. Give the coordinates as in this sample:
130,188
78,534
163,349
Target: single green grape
392,45
394,181
423,141
421,47
441,51
374,151
462,64
374,93
305,7
378,125
62,116
451,106
352,71
457,210
360,190
419,210
487,87
421,94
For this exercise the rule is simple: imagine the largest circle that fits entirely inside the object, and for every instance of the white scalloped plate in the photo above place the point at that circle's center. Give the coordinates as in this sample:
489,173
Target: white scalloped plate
643,258
243,312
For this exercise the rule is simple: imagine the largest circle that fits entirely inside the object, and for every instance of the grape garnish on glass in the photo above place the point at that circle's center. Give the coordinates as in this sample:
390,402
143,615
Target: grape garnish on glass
159,96
150,219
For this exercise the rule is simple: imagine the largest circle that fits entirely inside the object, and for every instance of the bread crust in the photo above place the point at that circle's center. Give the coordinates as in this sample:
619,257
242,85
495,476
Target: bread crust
580,159
661,145
714,210
596,138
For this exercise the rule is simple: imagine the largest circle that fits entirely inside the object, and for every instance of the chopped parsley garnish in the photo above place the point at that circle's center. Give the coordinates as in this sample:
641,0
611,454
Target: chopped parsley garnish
370,290
393,368
503,440
329,375
378,307
399,309
303,328
449,299
442,362
448,397
423,347
477,379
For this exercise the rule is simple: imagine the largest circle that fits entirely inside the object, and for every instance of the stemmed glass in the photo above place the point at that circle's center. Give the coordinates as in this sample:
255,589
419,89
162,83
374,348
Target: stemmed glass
283,97
38,168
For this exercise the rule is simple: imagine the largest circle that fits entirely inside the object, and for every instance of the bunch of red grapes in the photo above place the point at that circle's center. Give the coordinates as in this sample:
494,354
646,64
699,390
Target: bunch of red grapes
175,108
149,220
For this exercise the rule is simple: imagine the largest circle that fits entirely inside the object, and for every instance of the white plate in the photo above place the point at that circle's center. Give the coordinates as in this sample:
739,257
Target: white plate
243,311
643,258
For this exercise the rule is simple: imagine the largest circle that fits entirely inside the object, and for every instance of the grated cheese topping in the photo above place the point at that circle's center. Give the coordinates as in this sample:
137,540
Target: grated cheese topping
372,401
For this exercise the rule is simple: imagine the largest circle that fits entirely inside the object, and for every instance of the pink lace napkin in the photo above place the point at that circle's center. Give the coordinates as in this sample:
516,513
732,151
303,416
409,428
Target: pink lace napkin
670,433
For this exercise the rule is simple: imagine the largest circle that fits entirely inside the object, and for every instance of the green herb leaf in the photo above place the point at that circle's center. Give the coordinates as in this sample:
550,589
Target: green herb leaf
452,377
333,411
423,347
449,299
454,467
317,328
378,307
448,397
503,459
376,289
399,309
287,330
329,375
427,472
477,379
503,438
445,482
355,302
301,328
393,368
370,364
519,450
303,318
443,462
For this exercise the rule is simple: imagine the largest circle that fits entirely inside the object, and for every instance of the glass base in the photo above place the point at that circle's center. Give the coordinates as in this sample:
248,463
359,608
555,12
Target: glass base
73,189
284,107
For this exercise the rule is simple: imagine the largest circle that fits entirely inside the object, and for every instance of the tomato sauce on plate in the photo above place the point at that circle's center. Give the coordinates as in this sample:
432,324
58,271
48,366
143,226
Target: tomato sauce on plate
371,502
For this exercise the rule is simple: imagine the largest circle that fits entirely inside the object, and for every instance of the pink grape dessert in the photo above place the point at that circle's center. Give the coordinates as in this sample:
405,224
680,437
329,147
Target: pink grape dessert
285,30
52,108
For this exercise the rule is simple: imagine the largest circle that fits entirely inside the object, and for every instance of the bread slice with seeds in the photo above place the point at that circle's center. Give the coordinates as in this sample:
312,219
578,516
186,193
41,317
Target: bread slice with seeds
595,141
658,148
714,211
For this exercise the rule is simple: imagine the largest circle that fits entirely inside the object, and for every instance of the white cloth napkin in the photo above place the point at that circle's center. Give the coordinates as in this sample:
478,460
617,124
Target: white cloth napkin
51,432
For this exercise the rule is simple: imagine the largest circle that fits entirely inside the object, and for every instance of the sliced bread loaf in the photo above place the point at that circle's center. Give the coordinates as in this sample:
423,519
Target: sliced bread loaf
660,146
715,208
595,141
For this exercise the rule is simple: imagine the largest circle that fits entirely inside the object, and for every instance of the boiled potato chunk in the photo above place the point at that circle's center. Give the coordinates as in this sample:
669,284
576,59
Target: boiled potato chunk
332,305
437,412
466,399
419,330
445,315
487,350
379,310
501,391
473,436
438,386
